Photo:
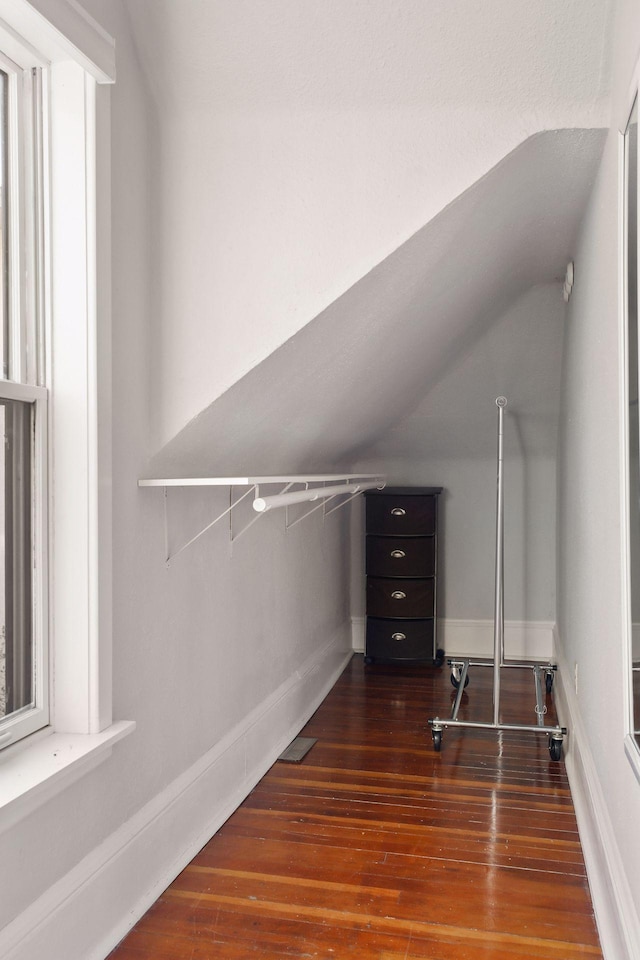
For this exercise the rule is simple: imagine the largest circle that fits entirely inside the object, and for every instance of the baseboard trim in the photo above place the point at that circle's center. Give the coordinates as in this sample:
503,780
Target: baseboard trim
523,640
89,910
616,916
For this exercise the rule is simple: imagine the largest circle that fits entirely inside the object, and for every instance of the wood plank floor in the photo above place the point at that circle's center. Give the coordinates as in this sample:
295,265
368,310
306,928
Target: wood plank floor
375,846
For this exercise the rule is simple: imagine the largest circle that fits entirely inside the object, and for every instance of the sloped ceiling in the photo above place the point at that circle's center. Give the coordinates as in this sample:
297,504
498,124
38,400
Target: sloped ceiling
518,357
298,143
368,360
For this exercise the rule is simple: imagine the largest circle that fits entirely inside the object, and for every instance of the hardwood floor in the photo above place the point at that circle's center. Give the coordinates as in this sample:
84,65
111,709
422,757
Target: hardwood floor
375,846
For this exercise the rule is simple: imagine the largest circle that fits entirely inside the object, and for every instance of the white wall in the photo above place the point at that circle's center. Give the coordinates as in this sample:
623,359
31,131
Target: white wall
449,440
226,240
344,383
590,595
303,142
217,658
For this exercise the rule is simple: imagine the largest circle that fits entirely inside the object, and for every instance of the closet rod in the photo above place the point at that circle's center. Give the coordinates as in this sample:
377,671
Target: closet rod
262,504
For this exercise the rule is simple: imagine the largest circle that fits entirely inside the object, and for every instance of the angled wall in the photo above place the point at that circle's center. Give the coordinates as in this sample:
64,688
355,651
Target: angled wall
339,385
449,440
301,143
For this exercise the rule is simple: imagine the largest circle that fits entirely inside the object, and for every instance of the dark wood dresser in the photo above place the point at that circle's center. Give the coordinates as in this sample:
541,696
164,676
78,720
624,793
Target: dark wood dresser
401,571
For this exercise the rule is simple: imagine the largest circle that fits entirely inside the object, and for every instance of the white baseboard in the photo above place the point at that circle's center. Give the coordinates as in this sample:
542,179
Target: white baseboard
86,913
533,640
613,904
357,634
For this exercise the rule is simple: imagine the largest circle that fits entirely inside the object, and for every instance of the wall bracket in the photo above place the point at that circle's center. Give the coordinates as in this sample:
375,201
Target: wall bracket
322,487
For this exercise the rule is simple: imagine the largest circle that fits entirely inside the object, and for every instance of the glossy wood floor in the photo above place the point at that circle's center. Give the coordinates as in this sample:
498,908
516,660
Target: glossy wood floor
375,846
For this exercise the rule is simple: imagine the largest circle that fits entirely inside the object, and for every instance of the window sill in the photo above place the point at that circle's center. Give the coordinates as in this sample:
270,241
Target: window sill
33,772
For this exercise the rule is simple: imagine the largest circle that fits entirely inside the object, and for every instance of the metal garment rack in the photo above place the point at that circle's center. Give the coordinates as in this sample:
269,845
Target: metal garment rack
460,668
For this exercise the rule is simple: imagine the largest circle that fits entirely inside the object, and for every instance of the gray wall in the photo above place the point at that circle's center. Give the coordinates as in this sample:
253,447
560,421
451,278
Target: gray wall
303,142
450,440
590,614
197,646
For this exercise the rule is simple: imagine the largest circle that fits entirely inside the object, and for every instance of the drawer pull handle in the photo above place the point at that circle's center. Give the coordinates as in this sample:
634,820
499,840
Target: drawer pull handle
398,636
399,512
398,554
399,595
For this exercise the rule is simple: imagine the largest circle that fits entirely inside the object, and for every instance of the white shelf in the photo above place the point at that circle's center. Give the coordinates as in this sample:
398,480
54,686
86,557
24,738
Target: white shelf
340,484
253,481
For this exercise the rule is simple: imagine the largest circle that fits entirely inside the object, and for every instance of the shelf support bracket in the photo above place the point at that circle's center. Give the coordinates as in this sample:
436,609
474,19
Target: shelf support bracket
220,516
256,487
323,506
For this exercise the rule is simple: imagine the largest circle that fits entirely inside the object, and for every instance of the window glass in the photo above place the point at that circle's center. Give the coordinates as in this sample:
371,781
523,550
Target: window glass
16,634
23,648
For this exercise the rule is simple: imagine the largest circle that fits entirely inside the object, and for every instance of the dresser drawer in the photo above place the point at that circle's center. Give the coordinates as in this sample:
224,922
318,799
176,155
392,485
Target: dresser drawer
401,515
397,640
399,598
401,556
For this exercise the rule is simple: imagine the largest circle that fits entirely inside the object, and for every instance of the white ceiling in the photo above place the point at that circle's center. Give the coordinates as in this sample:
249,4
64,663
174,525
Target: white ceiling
367,362
511,55
295,144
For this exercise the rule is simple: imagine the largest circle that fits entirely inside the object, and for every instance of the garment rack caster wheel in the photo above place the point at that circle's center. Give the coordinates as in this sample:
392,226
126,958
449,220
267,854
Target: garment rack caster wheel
438,660
456,676
548,681
437,740
555,748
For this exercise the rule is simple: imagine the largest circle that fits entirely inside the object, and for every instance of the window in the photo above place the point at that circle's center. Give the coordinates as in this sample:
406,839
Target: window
55,506
23,412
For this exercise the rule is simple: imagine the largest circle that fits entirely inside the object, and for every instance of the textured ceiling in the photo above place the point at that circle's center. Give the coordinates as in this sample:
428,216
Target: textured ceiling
516,55
298,143
365,363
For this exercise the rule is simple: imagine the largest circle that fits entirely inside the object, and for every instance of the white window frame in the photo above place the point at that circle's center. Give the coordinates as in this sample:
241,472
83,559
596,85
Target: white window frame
630,744
24,344
24,722
76,56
